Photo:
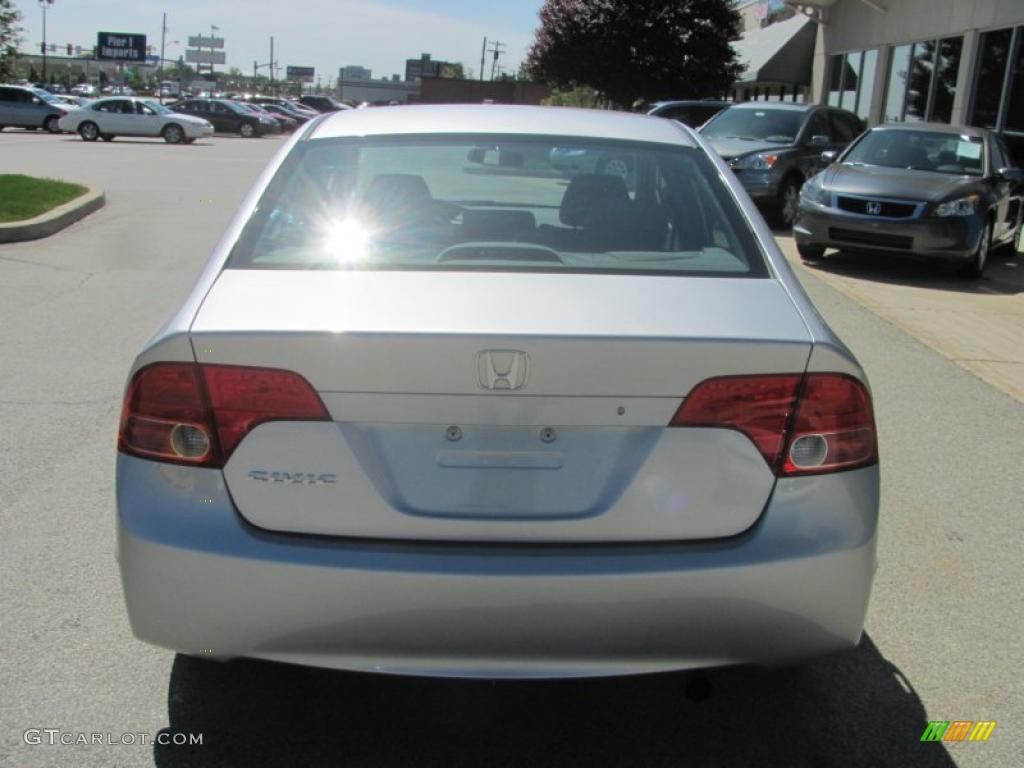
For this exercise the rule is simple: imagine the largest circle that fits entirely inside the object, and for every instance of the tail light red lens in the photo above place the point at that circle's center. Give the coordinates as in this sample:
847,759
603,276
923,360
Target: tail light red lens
801,424
834,416
186,413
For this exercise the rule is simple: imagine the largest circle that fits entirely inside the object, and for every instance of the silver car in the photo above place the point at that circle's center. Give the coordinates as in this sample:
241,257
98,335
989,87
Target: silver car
32,108
422,416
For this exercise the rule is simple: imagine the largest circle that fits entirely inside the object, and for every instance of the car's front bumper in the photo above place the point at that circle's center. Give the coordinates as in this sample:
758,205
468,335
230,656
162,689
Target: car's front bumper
949,238
761,185
200,580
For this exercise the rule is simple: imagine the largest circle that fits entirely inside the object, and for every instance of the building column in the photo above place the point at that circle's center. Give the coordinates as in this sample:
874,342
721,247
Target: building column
818,89
965,77
878,94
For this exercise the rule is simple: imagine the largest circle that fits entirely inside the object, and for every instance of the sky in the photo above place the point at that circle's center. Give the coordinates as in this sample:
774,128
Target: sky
325,34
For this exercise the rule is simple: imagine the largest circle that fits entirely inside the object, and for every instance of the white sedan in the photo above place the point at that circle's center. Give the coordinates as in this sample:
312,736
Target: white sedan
122,116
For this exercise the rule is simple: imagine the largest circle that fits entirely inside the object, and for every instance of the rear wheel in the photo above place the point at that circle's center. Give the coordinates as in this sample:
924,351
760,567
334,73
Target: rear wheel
788,202
810,252
615,166
50,124
974,269
173,134
247,130
89,131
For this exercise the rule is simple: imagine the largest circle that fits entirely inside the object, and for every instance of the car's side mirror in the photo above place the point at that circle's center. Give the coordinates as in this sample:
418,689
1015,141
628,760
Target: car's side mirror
829,156
820,140
1012,175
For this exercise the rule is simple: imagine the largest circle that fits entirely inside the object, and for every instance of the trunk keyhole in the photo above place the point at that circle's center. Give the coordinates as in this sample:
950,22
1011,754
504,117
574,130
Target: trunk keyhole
453,433
548,435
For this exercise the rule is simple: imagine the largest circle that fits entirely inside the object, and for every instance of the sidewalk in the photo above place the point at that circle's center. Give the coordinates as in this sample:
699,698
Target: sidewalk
977,324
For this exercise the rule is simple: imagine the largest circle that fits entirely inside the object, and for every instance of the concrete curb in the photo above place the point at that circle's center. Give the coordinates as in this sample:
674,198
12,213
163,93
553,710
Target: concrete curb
54,221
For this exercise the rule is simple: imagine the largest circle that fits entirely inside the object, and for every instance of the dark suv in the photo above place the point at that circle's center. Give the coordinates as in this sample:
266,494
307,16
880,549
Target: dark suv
774,147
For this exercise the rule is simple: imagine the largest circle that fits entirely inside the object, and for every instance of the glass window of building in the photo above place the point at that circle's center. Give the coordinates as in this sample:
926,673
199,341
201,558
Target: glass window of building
947,67
922,81
994,50
852,80
899,68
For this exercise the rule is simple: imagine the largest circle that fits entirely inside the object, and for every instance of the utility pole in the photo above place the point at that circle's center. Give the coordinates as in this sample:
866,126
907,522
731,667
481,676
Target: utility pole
160,66
496,50
272,63
483,55
213,33
44,4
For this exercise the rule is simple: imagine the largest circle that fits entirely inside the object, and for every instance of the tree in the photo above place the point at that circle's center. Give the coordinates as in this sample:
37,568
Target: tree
637,49
10,37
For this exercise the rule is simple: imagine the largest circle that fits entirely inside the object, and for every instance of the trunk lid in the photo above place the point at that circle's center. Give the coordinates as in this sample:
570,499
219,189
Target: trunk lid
499,406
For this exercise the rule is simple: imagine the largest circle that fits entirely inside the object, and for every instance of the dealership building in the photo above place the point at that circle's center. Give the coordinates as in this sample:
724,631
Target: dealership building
948,61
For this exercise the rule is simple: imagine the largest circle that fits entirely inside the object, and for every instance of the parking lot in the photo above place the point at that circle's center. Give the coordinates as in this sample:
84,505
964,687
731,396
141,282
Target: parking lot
943,631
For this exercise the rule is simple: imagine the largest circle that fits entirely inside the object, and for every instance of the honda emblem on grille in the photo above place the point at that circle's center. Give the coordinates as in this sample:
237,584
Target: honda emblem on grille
503,369
873,208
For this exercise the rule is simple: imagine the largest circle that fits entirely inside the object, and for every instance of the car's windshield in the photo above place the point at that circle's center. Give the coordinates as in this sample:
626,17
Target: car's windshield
46,96
498,203
775,125
157,107
920,151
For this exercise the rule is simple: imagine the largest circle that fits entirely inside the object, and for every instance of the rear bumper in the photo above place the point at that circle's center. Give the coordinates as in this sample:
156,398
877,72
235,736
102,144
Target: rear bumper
199,580
952,238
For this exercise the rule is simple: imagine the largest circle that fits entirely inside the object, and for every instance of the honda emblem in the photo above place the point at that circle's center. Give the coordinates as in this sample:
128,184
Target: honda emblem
873,208
502,369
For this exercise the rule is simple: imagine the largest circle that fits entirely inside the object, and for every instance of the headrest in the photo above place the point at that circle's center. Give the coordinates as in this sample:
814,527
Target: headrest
590,196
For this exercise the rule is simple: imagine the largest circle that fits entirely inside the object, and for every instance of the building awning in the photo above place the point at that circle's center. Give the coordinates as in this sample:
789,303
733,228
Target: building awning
779,53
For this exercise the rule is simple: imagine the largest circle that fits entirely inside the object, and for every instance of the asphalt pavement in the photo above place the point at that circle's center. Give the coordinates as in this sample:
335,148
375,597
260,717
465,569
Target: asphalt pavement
943,634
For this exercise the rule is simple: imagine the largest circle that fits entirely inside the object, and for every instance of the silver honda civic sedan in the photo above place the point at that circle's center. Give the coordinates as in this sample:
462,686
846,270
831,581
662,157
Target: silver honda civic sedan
430,416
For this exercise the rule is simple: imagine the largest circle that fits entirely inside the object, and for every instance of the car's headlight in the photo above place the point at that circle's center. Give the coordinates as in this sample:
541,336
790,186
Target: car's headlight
756,162
812,192
964,206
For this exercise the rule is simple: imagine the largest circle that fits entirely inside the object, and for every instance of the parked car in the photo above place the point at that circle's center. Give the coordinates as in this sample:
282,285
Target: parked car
692,112
287,104
773,147
115,116
281,124
31,108
227,116
322,104
83,89
419,419
74,101
941,192
277,109
574,160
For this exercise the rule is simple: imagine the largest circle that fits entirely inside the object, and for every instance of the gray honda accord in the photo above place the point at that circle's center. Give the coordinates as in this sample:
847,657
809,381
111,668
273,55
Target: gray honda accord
942,192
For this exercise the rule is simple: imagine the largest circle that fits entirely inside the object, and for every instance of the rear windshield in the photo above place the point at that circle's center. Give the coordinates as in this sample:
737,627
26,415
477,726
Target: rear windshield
498,203
776,125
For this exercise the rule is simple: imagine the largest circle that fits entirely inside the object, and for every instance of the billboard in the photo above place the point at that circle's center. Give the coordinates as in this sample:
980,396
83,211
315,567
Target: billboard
205,57
201,41
299,74
120,46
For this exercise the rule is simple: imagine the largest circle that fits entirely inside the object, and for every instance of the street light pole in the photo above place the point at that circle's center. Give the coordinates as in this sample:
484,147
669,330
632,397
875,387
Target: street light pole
44,4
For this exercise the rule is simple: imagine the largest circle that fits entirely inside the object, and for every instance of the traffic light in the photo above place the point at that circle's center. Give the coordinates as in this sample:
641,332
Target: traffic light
42,47
69,49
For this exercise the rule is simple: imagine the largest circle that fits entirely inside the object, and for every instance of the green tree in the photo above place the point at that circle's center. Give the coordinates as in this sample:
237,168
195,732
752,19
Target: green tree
10,38
637,49
580,96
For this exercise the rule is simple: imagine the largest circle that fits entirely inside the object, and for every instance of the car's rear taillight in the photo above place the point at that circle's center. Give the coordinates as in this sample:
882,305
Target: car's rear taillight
801,424
833,428
186,413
